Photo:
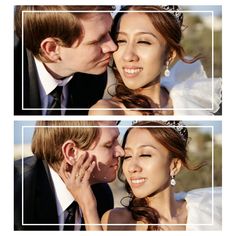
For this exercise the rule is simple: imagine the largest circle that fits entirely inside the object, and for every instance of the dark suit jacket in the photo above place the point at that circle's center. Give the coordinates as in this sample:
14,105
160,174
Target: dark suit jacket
84,89
39,196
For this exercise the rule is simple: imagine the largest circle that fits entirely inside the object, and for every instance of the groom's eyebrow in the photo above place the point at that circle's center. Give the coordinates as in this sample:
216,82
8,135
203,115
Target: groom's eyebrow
113,139
98,39
93,41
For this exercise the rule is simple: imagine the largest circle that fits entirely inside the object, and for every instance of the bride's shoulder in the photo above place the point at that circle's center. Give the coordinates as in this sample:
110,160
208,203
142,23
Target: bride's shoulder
105,107
119,215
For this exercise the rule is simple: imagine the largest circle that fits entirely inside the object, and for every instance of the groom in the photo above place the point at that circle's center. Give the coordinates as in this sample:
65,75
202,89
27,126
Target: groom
62,64
46,200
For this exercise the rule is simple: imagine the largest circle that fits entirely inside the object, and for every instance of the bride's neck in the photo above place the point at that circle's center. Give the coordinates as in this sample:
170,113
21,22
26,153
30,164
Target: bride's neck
170,210
154,92
165,204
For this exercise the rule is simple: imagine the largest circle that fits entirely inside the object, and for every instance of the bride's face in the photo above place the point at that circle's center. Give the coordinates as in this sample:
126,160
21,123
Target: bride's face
146,164
141,53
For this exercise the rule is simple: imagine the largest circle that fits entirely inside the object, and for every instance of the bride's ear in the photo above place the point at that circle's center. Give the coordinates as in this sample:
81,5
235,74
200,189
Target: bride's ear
171,56
175,166
70,151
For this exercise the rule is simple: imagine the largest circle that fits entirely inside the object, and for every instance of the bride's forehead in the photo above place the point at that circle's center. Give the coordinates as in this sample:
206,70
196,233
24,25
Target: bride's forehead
135,18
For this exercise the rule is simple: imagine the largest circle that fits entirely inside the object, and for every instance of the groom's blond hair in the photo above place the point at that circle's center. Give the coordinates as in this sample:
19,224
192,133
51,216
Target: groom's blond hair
49,136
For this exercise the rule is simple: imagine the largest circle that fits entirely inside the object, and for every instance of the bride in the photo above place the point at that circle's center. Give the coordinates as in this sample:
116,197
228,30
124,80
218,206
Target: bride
148,43
155,153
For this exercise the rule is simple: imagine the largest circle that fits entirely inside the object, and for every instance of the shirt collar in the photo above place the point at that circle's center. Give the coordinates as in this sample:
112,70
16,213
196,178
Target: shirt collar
47,81
63,196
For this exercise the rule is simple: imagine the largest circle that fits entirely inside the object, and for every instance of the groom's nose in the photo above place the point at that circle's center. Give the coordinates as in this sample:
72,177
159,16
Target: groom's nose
108,45
119,152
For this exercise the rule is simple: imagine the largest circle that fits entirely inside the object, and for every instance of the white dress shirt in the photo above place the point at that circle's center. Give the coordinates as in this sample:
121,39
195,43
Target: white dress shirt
47,84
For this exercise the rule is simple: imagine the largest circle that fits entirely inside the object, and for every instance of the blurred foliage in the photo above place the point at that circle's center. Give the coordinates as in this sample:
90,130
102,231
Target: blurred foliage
197,39
191,179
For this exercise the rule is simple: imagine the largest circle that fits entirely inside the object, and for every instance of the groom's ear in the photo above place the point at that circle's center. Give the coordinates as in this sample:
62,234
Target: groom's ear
70,151
50,49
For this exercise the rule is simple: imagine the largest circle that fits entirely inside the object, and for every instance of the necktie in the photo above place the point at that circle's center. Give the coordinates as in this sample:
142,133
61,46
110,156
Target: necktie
56,103
70,219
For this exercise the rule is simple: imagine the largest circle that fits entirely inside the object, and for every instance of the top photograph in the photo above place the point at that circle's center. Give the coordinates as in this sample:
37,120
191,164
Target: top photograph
118,60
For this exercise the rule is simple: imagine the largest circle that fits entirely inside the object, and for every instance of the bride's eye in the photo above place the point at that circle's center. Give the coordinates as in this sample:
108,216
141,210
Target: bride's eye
145,155
120,41
144,42
126,157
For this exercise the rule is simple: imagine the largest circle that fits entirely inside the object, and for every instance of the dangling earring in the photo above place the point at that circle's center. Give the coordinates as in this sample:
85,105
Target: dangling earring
167,71
172,181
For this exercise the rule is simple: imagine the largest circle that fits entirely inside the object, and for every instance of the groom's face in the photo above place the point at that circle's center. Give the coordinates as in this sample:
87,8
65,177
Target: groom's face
93,53
107,152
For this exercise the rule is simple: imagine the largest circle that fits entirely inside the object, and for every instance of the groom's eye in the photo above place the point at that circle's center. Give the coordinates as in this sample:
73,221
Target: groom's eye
97,40
108,145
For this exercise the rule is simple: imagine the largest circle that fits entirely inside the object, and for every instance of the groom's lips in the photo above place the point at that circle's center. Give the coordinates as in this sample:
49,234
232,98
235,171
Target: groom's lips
115,166
106,60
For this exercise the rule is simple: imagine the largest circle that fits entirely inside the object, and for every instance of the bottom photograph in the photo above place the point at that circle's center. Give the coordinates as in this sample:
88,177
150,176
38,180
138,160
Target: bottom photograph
118,175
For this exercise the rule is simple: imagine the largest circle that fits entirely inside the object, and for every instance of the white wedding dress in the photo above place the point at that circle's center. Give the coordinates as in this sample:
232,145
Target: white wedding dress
204,208
191,91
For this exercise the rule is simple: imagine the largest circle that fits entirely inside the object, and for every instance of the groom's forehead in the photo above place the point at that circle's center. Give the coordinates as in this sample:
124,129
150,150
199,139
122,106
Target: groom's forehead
109,133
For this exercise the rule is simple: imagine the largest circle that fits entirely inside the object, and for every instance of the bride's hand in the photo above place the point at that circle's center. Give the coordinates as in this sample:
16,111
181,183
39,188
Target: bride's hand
77,180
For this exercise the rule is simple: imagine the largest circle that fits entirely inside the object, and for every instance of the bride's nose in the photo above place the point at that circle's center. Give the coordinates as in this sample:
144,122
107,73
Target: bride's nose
129,53
134,166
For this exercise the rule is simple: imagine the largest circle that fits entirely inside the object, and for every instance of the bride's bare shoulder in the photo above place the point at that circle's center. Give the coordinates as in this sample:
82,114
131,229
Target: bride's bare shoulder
119,215
106,107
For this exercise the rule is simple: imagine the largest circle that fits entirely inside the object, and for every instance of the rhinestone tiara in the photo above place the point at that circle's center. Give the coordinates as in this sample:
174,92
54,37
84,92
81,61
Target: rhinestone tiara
177,125
174,10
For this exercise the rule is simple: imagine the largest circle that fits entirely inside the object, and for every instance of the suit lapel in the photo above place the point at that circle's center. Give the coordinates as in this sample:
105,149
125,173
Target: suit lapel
85,90
31,84
39,197
46,201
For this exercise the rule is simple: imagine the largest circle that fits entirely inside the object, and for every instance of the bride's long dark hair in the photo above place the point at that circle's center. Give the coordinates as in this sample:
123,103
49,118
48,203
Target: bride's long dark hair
177,147
171,30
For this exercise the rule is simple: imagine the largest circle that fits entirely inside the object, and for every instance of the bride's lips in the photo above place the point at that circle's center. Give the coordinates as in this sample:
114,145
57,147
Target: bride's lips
131,71
136,182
